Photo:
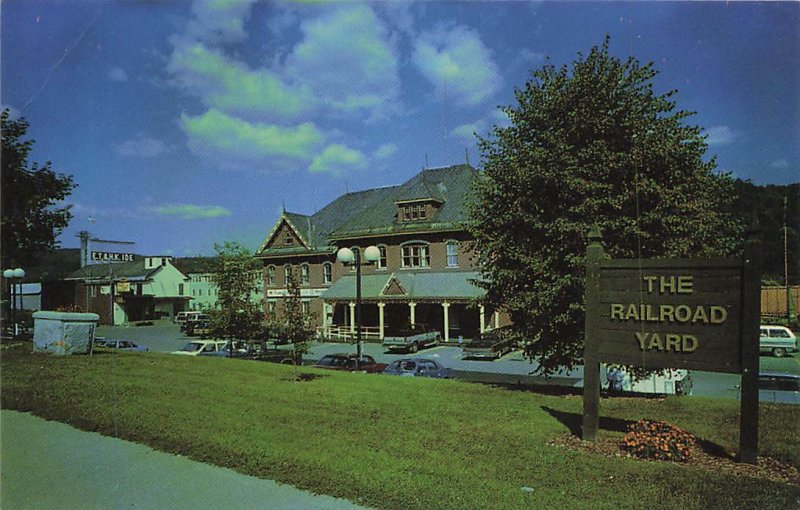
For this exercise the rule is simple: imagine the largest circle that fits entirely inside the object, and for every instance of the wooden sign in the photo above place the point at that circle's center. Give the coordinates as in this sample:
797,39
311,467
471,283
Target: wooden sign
700,314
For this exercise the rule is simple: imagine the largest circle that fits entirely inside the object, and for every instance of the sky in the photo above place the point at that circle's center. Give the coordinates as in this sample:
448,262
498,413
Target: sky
187,124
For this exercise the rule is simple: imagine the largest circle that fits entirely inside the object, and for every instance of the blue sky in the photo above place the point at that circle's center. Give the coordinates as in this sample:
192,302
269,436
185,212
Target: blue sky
188,124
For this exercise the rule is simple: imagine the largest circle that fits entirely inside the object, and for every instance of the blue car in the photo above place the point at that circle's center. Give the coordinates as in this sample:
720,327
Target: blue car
418,367
120,345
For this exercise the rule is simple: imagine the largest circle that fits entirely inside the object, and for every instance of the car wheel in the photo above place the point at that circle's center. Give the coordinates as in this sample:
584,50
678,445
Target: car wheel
779,352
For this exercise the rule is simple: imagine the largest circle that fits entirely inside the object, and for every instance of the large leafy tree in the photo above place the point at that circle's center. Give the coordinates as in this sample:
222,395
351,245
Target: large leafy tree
32,213
237,315
589,145
297,326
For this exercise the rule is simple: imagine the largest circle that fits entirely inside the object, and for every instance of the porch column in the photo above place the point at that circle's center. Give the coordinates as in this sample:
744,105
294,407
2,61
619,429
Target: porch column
411,307
352,318
496,320
446,308
381,305
483,318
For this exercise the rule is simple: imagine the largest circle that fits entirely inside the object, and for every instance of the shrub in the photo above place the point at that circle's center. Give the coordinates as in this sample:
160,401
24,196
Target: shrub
658,440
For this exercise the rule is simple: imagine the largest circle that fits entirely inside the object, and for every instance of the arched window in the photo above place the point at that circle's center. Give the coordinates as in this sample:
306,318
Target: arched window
287,269
304,274
416,254
271,276
327,272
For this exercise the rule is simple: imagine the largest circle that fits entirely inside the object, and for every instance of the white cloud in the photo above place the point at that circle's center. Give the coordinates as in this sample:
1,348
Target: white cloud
385,151
467,132
141,147
720,135
457,63
117,74
232,87
218,134
347,59
219,21
780,164
191,211
338,159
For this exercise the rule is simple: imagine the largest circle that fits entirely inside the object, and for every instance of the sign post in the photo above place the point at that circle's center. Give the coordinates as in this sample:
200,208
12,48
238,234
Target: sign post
697,314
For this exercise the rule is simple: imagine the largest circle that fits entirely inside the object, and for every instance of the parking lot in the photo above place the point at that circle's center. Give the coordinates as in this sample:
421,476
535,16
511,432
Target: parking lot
510,369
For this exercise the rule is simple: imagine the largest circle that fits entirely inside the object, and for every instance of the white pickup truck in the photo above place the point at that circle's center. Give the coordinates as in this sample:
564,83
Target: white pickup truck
412,339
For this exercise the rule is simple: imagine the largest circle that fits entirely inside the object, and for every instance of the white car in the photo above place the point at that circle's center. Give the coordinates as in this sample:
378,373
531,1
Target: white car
202,348
778,340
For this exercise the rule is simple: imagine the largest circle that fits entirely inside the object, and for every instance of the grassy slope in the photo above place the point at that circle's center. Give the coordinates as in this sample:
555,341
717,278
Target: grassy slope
391,442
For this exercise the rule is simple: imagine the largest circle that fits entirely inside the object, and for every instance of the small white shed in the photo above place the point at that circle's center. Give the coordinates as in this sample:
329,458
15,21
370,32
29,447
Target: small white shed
63,332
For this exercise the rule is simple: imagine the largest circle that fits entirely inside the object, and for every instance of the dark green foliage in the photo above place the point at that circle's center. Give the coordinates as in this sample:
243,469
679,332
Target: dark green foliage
767,204
297,325
237,315
590,145
32,215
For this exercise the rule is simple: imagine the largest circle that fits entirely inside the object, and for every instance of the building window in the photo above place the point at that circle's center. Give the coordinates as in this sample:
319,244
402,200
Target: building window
306,307
452,254
199,292
287,269
304,274
287,238
271,306
180,289
93,291
271,276
415,255
381,264
327,272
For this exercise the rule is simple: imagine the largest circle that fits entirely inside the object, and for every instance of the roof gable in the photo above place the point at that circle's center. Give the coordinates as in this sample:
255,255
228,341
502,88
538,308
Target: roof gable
393,287
285,233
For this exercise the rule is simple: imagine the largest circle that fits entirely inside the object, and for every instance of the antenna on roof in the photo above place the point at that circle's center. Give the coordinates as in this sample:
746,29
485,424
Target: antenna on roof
466,154
283,205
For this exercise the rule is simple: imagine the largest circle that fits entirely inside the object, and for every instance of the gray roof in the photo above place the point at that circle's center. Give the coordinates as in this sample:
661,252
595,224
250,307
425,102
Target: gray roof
417,285
374,211
130,270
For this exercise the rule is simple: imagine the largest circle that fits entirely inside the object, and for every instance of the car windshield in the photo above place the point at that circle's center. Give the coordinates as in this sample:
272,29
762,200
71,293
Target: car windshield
192,347
408,366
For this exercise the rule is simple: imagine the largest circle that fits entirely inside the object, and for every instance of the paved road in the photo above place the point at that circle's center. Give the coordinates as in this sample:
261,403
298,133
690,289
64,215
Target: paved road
510,369
49,465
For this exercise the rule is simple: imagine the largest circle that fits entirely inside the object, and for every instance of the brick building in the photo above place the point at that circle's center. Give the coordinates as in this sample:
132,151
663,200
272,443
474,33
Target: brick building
425,271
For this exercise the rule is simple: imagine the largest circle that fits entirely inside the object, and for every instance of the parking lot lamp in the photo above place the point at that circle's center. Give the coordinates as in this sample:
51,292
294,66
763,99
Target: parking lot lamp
347,257
11,275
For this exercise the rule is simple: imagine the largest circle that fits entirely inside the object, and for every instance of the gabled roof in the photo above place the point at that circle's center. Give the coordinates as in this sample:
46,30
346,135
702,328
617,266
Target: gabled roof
195,265
374,211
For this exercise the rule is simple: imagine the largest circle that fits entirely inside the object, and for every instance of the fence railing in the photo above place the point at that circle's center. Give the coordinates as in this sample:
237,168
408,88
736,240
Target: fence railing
336,333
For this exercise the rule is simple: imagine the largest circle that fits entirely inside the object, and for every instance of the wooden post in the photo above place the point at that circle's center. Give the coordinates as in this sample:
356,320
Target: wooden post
751,314
591,367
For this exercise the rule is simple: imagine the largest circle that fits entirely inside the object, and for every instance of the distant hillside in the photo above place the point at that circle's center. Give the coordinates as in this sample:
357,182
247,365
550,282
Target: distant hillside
767,202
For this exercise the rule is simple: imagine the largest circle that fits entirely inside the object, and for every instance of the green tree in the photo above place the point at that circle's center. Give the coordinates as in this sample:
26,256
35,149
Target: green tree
237,316
32,216
590,145
297,325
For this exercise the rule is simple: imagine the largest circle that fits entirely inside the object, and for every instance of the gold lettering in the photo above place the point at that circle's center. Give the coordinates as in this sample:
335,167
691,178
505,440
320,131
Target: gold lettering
700,315
655,342
683,313
718,314
617,309
673,342
651,317
633,312
689,343
642,337
667,283
685,284
650,280
667,312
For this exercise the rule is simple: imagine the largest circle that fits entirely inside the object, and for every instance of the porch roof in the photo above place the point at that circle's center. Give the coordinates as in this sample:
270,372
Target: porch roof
407,286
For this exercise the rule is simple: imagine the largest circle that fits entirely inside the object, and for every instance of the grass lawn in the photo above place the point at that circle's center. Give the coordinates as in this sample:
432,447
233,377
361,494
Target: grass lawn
393,442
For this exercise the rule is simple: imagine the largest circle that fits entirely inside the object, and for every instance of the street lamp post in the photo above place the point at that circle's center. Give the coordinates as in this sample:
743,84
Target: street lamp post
11,275
347,257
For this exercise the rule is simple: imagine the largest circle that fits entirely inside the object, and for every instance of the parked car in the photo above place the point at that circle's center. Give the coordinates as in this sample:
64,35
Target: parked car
191,319
198,328
347,361
258,351
491,344
412,339
778,340
779,387
120,345
202,348
418,367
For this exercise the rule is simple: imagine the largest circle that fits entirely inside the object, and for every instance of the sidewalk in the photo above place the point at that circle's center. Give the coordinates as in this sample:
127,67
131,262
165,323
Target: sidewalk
49,465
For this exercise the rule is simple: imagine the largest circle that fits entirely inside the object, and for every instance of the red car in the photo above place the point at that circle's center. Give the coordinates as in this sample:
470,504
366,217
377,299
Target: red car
347,361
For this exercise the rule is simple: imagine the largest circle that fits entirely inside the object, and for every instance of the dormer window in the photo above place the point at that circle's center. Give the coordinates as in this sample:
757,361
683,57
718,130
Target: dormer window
420,210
